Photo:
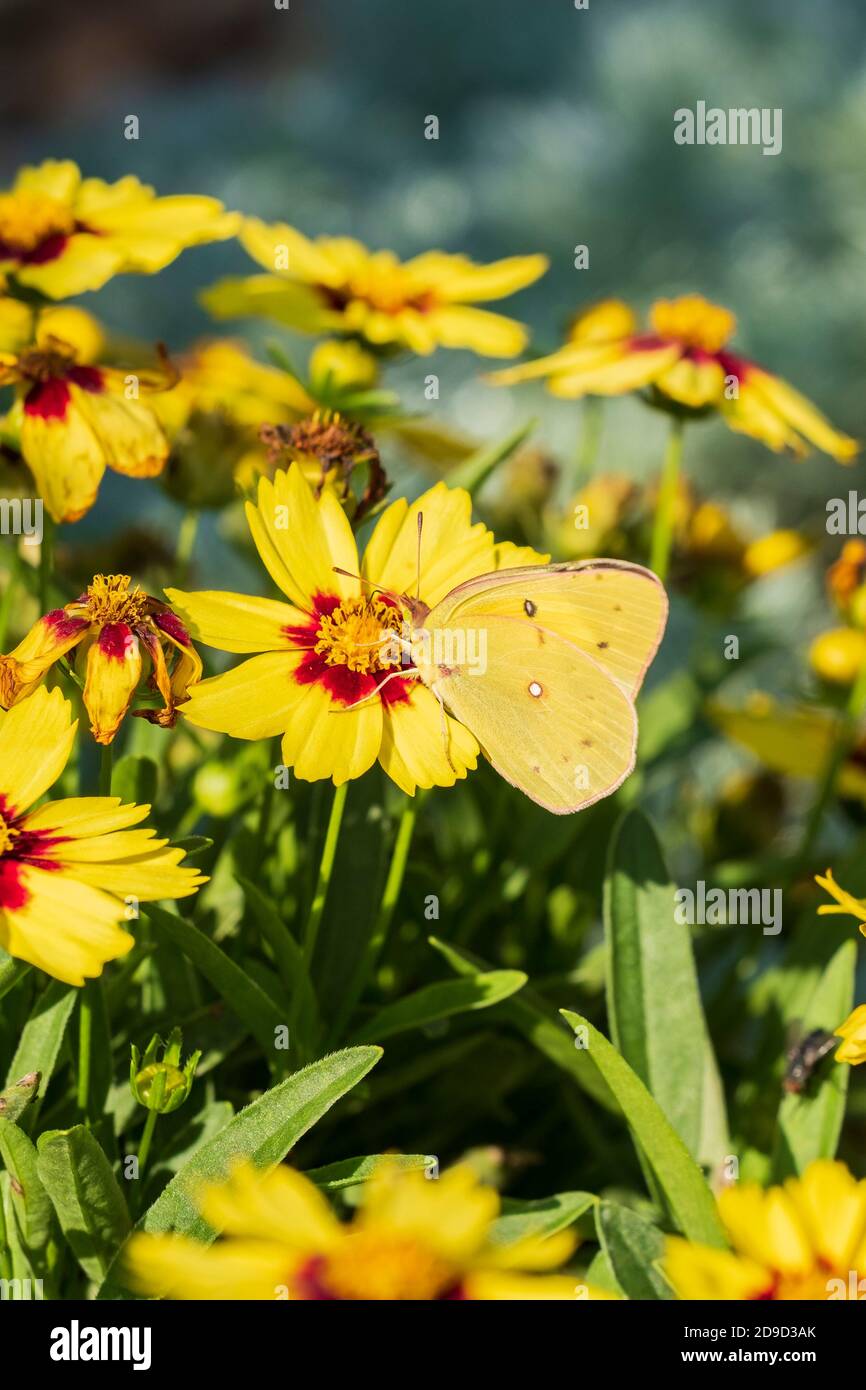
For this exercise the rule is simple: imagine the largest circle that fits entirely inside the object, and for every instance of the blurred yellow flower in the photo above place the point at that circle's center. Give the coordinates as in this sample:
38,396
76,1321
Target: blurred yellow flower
774,551
410,1240
335,285
69,868
805,1240
323,678
796,740
61,234
72,418
838,656
118,634
684,358
846,576
853,1032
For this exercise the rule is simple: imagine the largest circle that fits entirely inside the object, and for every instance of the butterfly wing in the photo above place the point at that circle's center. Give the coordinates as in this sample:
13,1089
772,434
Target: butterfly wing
613,611
549,718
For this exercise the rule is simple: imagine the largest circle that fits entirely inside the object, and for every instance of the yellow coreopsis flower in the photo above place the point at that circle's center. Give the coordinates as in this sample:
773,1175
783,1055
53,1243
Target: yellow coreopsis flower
69,868
61,234
852,1049
837,656
73,418
324,678
685,358
335,285
411,1240
118,634
804,1240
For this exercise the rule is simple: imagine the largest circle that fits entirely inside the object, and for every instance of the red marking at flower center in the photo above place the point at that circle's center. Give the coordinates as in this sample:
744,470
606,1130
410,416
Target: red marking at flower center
310,1281
345,686
48,399
116,641
13,894
170,623
61,625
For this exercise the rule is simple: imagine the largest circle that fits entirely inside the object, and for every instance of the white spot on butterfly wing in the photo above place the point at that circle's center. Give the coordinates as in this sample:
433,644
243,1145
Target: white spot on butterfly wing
535,689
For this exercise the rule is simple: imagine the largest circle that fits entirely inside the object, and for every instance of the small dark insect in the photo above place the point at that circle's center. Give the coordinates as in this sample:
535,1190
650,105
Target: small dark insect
529,608
803,1058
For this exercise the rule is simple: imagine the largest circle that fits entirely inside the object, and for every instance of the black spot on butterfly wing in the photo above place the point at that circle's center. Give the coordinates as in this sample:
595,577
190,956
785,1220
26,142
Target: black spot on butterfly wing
529,608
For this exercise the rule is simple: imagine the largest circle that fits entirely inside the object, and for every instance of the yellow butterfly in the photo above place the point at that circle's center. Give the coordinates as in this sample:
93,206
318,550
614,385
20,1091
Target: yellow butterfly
543,665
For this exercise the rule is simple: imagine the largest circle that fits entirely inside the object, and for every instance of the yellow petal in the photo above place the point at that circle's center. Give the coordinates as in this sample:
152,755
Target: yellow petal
638,367
474,283
765,1225
129,434
278,1205
701,1272
85,263
302,539
420,749
36,738
254,700
799,413
53,178
692,382
66,460
85,815
64,927
113,673
452,548
237,622
291,303
326,740
832,1205
170,1266
490,335
271,245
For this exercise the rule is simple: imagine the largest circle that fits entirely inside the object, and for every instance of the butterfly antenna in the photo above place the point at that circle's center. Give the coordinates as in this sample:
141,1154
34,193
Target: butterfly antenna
374,588
420,528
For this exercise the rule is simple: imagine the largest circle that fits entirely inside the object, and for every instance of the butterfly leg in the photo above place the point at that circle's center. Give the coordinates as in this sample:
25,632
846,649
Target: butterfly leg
446,739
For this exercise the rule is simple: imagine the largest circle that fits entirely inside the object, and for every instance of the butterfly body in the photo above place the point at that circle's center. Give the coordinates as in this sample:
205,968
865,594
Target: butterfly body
542,664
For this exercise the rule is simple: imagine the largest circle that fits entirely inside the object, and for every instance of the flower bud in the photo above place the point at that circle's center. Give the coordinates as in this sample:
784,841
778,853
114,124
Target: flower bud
159,1082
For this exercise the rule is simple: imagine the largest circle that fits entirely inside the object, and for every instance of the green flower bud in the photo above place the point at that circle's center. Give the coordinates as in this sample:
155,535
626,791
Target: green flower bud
159,1082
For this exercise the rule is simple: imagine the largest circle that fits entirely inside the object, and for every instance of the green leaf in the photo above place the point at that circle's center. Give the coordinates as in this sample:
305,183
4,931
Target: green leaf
476,469
263,1133
538,1024
544,1217
11,971
633,1247
352,1171
16,1098
290,963
86,1196
653,999
442,1000
243,996
679,1177
30,1202
809,1124
42,1035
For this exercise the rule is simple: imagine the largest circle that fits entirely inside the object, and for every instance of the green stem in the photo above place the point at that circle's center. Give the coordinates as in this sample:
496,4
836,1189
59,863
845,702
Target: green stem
663,525
8,595
590,439
845,741
186,538
46,564
85,1042
106,758
385,913
146,1139
326,868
